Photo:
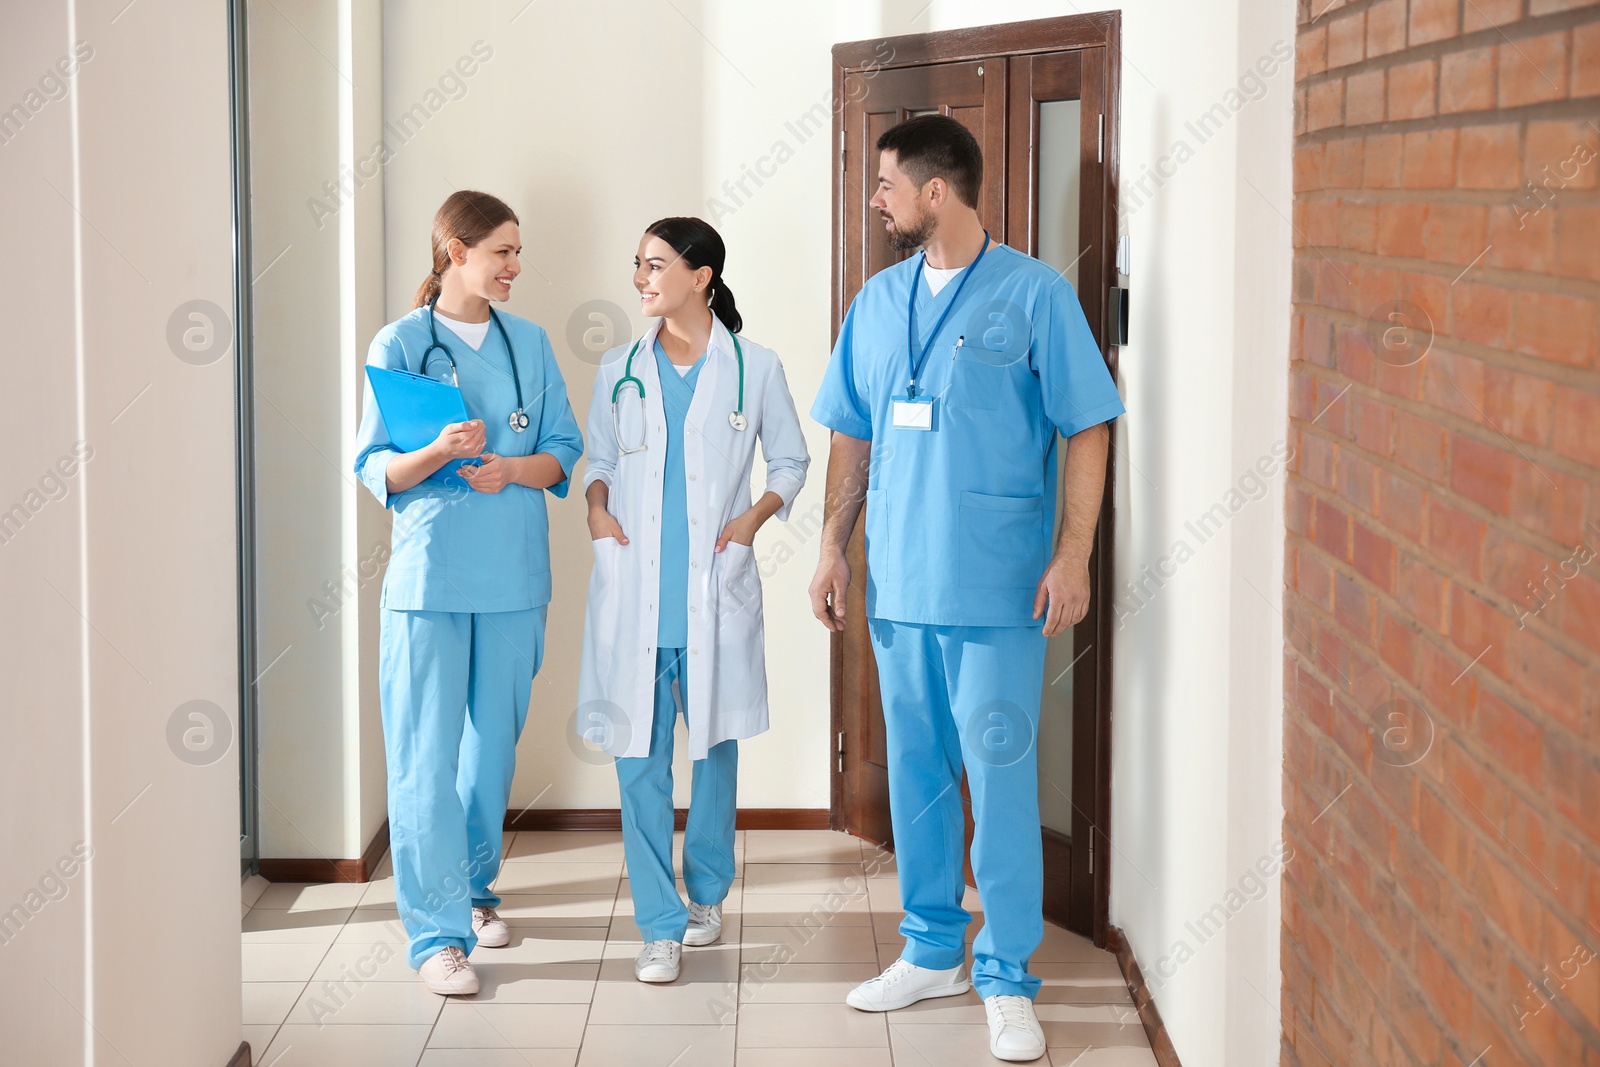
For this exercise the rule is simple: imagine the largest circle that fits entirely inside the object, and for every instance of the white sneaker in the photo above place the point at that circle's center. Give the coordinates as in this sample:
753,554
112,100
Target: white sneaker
1014,1032
705,924
449,974
658,962
492,930
904,984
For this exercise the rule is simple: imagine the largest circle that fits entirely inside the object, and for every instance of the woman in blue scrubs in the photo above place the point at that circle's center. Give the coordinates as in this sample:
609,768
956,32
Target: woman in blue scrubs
674,614
461,631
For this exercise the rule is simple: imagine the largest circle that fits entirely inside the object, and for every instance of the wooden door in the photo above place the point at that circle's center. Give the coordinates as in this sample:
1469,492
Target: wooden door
1023,90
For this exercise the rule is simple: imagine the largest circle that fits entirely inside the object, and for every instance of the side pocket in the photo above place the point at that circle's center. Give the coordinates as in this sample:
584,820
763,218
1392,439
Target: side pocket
738,589
1004,543
879,559
601,607
740,663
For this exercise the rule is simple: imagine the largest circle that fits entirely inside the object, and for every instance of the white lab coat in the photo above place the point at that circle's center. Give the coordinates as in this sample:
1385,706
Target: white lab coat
727,677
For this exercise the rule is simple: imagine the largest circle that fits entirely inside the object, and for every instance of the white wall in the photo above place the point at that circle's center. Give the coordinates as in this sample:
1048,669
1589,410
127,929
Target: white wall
316,95
118,578
589,147
1196,777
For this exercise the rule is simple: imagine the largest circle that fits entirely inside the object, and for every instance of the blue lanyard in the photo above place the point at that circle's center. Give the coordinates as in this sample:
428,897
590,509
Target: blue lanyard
912,358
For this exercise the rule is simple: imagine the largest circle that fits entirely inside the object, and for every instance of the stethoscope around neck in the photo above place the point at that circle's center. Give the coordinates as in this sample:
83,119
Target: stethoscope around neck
736,417
518,419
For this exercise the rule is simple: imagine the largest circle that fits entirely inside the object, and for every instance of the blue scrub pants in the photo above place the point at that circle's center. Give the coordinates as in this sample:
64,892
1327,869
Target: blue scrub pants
646,784
954,695
454,687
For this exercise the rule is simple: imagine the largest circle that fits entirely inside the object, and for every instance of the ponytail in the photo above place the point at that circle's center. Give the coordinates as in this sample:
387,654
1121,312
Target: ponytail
722,305
466,216
698,242
428,290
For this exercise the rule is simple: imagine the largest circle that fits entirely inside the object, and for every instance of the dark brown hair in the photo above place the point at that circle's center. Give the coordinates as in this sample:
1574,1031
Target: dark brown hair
468,216
937,146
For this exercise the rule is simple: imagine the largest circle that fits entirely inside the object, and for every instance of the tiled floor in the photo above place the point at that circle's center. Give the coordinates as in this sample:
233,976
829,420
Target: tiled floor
326,982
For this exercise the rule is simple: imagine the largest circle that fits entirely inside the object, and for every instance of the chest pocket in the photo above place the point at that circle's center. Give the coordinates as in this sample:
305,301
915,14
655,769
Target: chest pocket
997,336
981,377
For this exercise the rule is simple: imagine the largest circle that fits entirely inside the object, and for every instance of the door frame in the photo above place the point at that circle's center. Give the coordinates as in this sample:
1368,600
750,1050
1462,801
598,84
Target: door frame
1101,30
244,437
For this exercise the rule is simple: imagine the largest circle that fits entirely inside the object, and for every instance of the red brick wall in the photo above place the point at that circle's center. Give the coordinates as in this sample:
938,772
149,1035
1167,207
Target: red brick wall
1442,676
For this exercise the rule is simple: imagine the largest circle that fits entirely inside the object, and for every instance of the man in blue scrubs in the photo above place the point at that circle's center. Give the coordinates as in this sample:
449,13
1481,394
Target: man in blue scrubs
954,372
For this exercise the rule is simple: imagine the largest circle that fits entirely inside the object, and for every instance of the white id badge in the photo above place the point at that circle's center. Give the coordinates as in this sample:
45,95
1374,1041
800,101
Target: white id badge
912,413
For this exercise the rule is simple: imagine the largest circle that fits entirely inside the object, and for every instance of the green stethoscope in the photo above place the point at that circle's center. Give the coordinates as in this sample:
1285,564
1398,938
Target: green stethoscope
736,417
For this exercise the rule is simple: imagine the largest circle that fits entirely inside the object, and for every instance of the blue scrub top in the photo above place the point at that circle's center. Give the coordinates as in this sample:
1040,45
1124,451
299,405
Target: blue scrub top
672,629
960,519
454,548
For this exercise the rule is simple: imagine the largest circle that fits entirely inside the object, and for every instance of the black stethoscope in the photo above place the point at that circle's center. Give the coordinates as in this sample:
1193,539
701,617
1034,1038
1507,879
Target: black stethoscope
518,419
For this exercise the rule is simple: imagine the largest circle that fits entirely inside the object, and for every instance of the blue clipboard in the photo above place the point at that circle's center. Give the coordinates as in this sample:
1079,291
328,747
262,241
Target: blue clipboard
415,408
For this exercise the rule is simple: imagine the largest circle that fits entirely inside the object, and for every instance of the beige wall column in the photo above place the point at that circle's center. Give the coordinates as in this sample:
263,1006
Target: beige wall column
119,774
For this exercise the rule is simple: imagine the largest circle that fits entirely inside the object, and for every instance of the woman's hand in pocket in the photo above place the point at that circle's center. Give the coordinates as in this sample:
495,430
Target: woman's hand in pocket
741,529
604,524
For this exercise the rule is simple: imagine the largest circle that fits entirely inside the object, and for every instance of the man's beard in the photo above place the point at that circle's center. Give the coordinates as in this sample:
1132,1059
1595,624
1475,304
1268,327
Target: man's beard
910,238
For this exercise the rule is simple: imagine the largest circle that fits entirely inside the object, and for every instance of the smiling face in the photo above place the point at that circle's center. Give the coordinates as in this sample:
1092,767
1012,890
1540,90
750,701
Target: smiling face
667,284
904,205
488,268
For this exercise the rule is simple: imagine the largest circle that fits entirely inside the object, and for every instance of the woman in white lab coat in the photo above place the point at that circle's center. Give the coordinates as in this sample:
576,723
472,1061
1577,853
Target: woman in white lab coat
675,596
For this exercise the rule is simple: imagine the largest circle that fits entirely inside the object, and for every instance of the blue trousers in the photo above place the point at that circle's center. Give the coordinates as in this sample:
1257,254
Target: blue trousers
454,687
955,695
646,786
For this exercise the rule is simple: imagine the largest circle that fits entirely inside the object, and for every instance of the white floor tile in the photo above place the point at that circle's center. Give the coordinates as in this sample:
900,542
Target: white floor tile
806,878
333,1003
1091,1026
657,1046
464,1023
296,896
1102,1057
373,1045
280,963
556,909
813,1057
810,1026
378,892
940,1045
499,1057
801,983
706,992
251,888
787,944
547,944
267,1003
568,846
784,909
539,876
540,983
267,926
373,926
801,846
355,961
